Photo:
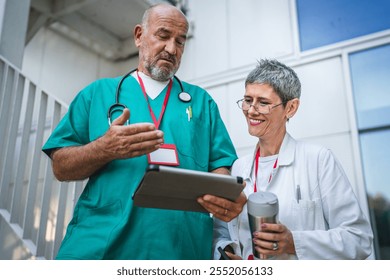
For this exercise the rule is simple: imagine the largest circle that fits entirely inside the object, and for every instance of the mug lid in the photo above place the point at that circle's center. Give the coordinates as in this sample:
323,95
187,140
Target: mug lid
263,204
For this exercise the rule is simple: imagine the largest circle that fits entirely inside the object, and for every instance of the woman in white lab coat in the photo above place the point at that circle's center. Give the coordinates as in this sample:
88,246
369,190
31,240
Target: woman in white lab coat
319,214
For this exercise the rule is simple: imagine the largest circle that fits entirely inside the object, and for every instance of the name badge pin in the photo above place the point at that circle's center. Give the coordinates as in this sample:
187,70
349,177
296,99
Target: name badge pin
189,113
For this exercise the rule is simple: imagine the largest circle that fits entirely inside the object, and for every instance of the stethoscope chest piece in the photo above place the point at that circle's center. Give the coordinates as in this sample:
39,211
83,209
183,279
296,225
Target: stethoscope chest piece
185,97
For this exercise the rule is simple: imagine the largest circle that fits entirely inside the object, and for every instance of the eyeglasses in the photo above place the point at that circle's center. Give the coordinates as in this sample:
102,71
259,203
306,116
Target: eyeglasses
259,107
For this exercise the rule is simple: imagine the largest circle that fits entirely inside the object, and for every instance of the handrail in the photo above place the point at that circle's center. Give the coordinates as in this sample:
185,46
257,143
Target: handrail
32,201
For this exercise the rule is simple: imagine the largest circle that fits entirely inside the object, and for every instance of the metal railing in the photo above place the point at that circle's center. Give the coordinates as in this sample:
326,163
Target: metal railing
32,201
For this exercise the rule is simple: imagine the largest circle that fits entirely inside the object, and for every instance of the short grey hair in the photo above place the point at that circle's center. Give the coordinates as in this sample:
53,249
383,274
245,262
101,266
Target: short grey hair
280,77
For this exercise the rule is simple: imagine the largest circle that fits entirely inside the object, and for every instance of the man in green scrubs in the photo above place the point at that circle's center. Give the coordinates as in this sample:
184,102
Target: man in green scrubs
114,156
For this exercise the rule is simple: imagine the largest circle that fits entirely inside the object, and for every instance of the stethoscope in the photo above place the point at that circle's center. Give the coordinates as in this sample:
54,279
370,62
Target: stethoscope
183,96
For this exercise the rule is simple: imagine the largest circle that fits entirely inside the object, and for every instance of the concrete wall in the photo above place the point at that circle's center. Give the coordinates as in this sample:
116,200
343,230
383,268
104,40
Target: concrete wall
62,67
13,26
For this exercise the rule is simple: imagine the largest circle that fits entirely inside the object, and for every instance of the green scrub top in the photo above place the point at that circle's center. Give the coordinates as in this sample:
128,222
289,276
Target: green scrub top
105,224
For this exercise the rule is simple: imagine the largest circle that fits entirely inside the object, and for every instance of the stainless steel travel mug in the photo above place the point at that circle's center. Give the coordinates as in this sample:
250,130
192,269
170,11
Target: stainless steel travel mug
263,207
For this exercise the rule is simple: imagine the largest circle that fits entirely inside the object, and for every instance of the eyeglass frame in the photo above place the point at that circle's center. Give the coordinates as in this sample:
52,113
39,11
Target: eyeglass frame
269,106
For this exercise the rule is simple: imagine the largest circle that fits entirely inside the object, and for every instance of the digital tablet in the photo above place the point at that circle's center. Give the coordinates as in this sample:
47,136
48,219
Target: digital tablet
174,188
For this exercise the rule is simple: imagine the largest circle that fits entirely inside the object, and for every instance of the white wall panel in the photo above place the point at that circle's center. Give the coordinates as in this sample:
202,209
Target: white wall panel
323,108
237,126
76,67
33,57
62,67
207,51
220,96
109,69
226,96
59,66
258,29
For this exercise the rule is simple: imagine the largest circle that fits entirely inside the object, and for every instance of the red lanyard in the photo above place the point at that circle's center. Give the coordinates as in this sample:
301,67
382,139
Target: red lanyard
156,123
257,156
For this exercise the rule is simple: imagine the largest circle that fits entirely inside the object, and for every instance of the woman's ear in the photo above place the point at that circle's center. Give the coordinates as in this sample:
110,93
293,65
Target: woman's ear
292,107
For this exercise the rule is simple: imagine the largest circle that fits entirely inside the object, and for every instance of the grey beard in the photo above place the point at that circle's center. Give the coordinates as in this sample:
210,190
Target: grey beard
159,74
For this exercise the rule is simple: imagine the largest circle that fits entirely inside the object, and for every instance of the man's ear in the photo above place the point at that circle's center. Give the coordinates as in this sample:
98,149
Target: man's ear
137,35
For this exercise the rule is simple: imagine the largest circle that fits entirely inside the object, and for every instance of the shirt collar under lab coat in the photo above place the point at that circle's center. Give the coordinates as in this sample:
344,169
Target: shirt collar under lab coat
285,158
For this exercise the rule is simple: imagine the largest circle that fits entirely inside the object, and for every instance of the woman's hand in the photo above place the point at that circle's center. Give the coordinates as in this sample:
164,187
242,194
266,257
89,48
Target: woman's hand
222,208
273,240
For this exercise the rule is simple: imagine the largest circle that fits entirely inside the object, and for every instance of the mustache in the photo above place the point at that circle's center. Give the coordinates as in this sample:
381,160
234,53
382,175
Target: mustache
167,56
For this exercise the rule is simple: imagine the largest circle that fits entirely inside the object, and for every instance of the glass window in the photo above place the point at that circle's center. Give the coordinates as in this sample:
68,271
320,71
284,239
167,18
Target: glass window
376,158
370,73
324,22
376,161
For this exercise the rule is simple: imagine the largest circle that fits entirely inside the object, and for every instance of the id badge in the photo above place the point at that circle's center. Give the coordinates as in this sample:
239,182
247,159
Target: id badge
165,155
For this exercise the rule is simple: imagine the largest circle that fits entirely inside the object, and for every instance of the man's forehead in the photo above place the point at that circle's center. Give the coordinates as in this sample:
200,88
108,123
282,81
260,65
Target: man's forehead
168,17
169,26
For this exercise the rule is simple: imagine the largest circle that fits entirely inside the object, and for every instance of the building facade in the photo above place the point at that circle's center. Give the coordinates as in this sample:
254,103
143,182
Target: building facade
340,50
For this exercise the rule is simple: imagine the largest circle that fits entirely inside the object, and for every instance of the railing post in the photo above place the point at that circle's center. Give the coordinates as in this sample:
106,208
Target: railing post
61,216
31,213
3,71
47,193
5,127
10,159
20,199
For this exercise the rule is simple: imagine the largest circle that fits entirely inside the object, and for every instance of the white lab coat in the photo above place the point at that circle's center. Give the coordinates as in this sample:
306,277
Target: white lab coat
327,223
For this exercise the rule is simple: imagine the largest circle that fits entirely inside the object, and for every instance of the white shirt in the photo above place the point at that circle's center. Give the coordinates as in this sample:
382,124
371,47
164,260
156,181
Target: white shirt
153,88
327,223
264,171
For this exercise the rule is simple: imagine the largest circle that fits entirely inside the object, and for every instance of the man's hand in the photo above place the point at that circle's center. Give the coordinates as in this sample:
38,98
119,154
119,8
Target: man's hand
126,141
119,142
222,208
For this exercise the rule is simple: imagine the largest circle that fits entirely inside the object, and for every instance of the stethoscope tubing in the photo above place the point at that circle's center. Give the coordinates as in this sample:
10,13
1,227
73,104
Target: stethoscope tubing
183,96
